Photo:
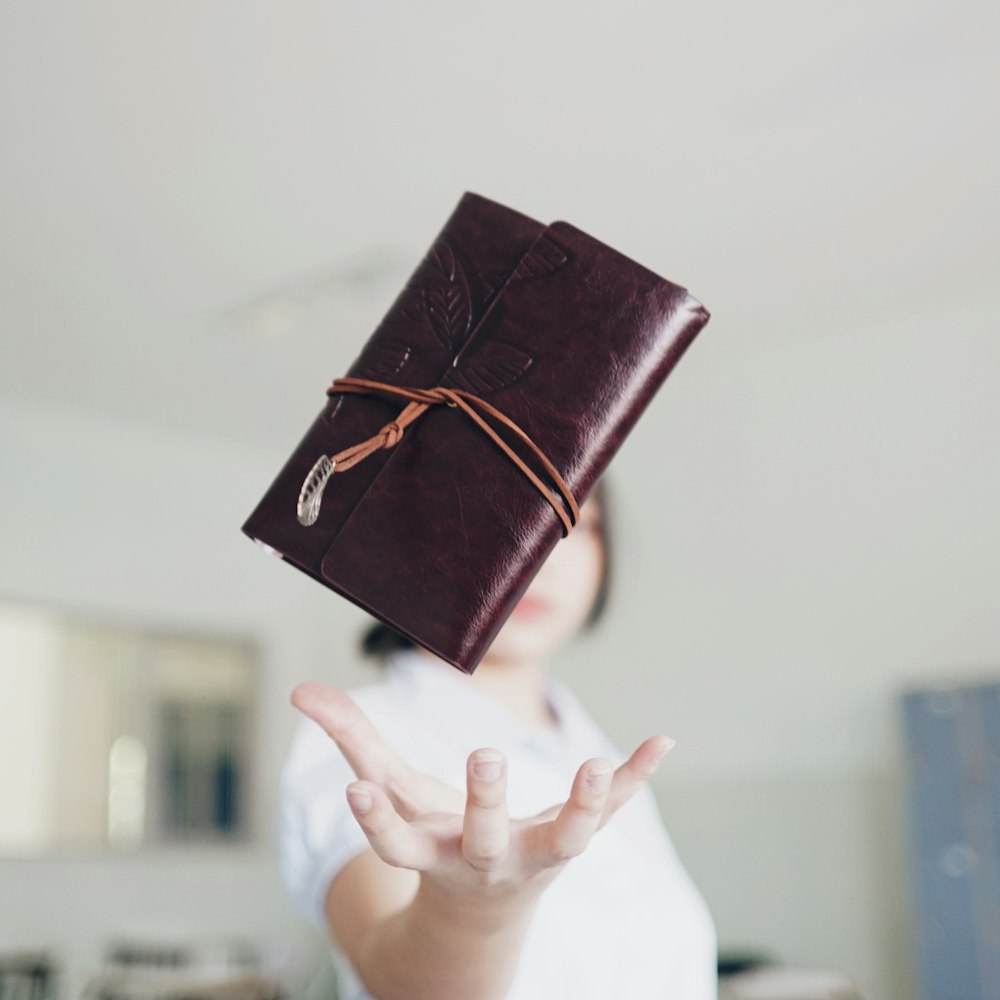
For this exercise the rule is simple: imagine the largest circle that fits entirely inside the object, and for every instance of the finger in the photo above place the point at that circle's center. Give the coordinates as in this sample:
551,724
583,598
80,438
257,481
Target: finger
370,757
361,743
639,768
393,839
486,828
569,833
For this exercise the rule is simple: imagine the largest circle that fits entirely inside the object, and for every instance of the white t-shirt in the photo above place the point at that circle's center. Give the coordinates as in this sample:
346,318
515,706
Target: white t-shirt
623,919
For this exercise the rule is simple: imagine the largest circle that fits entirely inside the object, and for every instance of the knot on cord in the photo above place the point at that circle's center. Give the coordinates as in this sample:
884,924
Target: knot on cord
391,434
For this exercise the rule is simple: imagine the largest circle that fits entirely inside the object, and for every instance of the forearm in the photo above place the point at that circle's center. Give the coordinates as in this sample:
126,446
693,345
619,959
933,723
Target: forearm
443,947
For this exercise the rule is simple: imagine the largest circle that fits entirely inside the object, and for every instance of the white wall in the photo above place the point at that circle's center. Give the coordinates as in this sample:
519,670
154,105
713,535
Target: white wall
134,525
28,733
807,530
800,533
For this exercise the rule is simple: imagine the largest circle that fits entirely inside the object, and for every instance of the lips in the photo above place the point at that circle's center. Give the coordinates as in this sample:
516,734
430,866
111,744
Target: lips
530,607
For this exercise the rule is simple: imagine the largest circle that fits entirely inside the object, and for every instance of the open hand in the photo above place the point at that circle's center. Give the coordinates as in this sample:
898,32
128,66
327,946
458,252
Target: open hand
467,843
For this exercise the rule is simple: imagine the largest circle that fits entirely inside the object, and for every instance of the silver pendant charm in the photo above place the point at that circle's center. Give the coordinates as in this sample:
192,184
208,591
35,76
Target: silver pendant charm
311,494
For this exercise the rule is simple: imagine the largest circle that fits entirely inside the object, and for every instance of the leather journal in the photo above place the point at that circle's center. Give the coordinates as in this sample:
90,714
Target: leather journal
452,456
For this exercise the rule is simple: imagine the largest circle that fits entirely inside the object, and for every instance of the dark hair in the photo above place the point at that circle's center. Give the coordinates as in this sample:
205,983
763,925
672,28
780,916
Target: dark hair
379,639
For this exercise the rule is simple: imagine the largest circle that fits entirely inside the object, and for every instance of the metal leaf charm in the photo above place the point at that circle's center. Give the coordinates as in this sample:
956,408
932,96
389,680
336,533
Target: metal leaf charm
544,257
446,295
311,494
495,367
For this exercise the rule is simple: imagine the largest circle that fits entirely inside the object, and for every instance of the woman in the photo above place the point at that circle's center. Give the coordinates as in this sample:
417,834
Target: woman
503,890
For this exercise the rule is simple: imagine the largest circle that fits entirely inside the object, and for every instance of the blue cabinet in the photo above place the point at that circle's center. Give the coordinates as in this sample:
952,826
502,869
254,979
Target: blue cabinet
952,737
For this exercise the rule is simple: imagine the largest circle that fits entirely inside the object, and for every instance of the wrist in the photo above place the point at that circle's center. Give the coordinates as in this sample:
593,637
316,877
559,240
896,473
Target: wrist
482,907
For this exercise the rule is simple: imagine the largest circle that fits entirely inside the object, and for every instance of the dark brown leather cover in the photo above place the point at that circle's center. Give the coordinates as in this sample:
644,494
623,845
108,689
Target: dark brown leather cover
440,535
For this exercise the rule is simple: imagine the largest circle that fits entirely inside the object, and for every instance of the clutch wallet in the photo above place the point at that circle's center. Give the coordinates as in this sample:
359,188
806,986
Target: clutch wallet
434,529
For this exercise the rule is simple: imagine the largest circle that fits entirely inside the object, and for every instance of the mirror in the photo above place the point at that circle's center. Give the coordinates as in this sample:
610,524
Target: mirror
115,737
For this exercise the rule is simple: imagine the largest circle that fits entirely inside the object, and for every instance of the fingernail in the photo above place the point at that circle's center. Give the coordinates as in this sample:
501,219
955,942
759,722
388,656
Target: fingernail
665,749
599,779
487,766
361,801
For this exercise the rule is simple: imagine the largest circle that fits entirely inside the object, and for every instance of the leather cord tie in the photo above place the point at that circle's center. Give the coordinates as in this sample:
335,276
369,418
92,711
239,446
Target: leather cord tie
391,433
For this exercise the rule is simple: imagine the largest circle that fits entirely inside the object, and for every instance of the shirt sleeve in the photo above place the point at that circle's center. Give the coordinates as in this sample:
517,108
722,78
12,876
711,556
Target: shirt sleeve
316,833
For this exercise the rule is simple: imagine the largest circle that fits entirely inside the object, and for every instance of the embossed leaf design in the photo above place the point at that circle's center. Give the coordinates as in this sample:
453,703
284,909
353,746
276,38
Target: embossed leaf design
411,305
492,281
381,360
495,367
446,296
544,257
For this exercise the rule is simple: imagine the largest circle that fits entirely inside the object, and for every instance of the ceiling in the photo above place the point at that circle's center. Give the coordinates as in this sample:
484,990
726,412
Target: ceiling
206,207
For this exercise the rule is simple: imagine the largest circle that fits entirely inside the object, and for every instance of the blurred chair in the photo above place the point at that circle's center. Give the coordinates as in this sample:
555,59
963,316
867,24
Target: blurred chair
185,969
148,985
26,975
778,982
758,976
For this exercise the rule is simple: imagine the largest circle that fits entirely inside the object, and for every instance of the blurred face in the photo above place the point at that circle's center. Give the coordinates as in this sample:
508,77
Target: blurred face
559,597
